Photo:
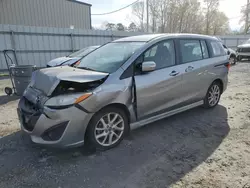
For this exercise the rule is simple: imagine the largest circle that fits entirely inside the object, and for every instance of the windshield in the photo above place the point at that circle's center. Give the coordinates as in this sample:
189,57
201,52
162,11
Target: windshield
83,51
109,57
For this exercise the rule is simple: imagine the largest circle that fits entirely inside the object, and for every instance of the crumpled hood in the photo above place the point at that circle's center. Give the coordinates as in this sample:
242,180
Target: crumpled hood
47,79
64,60
244,46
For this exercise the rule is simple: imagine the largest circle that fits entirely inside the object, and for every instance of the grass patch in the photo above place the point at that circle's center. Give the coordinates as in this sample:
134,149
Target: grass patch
4,74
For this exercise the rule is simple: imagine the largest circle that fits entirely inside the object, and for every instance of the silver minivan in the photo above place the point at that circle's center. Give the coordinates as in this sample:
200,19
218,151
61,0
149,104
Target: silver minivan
123,85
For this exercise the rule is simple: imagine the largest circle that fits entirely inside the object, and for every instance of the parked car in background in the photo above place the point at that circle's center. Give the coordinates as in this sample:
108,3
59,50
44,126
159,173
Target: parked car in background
231,53
121,86
243,50
72,58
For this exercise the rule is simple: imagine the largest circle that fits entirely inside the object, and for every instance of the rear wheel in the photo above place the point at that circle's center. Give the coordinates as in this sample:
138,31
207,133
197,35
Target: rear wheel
107,128
213,95
232,60
8,91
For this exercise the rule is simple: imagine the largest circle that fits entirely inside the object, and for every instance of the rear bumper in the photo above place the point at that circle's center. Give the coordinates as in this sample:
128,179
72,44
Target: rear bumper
225,83
59,128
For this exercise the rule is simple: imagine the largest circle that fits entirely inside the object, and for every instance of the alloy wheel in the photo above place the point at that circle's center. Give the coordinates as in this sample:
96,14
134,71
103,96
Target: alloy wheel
109,129
214,95
232,60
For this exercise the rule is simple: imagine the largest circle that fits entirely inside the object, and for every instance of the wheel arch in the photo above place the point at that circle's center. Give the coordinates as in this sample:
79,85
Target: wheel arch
120,106
115,105
220,83
233,55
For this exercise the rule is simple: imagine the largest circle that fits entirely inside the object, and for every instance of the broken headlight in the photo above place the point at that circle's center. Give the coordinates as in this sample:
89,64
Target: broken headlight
65,101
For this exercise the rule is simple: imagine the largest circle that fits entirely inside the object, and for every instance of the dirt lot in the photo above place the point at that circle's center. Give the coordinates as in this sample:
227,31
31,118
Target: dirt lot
198,148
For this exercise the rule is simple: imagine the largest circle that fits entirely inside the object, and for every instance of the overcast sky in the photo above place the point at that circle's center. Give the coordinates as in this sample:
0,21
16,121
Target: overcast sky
230,7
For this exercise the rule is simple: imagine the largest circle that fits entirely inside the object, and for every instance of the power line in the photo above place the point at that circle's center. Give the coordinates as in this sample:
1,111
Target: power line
115,10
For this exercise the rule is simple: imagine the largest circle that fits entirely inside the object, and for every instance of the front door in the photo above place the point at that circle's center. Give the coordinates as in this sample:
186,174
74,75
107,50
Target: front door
158,91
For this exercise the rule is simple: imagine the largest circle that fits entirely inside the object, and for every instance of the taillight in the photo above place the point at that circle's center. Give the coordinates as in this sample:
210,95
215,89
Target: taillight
227,65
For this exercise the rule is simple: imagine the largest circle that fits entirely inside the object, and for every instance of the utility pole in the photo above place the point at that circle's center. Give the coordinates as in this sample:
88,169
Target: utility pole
147,15
247,22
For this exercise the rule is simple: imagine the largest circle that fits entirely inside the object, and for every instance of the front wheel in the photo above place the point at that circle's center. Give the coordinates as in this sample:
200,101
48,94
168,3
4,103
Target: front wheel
239,58
213,95
107,128
232,60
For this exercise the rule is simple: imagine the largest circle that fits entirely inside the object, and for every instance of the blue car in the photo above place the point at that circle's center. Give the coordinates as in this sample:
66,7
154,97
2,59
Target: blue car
72,58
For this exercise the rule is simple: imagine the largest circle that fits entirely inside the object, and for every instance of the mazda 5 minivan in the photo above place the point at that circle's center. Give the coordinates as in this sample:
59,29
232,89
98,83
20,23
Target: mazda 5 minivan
123,85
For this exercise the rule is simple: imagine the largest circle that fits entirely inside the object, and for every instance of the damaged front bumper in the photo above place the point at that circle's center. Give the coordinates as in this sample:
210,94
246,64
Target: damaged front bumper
55,127
47,110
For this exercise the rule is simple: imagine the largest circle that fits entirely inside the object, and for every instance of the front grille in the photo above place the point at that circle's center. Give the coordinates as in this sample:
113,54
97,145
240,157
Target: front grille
28,114
29,121
244,50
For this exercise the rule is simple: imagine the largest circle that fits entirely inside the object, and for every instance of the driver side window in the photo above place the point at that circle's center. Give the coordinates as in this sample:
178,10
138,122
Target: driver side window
163,54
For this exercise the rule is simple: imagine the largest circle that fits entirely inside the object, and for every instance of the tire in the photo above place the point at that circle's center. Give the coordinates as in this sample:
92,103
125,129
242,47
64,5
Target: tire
98,136
212,98
239,58
232,60
8,91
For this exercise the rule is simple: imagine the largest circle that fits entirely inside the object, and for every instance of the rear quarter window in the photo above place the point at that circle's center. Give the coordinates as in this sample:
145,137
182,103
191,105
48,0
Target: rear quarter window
217,49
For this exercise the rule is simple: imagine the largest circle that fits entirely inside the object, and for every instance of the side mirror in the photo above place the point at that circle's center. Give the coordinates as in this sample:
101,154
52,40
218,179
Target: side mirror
148,66
228,52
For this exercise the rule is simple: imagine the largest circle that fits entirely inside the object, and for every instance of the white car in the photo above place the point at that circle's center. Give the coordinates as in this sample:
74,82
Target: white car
243,50
230,52
72,58
232,55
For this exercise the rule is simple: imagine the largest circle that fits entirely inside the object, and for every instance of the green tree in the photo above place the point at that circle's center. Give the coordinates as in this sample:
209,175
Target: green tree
110,26
132,27
120,27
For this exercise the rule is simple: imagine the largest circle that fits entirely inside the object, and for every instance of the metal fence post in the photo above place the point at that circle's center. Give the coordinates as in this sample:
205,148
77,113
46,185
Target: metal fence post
72,42
13,44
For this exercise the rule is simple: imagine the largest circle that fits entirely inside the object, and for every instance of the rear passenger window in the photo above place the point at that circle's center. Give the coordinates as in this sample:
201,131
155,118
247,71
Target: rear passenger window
190,50
204,49
217,49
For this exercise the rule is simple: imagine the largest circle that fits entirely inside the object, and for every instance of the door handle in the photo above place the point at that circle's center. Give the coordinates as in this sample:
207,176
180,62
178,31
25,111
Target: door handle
174,73
190,68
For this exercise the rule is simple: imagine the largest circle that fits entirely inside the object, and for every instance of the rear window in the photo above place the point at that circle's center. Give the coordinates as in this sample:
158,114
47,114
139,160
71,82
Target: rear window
217,49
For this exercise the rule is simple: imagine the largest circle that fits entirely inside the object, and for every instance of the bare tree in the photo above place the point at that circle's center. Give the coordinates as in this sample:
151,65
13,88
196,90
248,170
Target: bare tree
185,16
154,14
220,25
244,18
162,14
210,10
138,12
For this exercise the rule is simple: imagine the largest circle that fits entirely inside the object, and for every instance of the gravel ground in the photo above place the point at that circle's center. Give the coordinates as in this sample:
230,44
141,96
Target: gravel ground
197,148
